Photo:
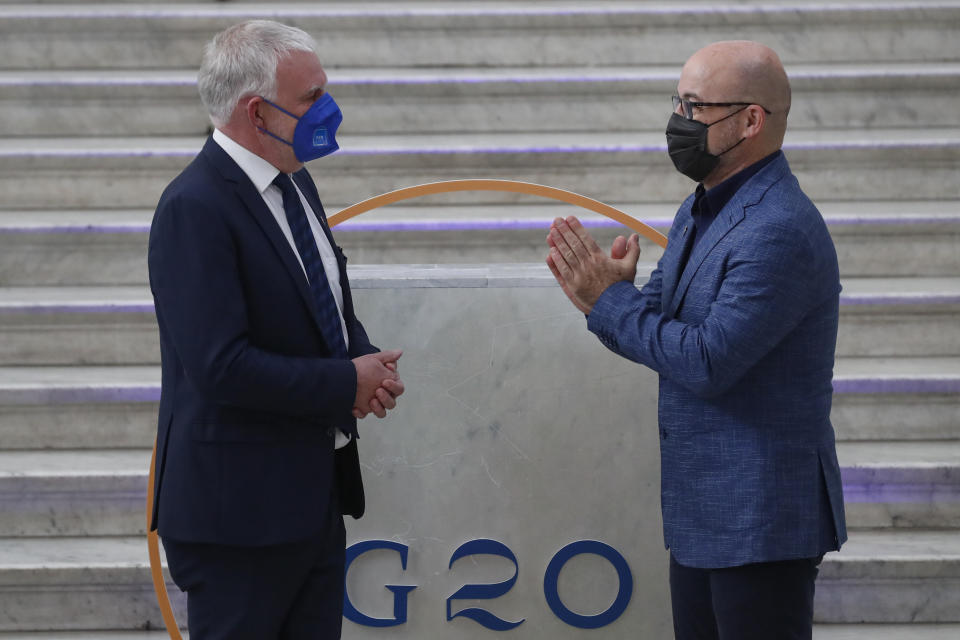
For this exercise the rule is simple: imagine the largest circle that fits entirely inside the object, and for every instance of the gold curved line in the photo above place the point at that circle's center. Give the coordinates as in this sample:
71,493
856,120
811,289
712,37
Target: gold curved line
156,568
407,193
514,186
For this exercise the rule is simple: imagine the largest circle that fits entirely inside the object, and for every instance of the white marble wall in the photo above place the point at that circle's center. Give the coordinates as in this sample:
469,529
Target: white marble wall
517,426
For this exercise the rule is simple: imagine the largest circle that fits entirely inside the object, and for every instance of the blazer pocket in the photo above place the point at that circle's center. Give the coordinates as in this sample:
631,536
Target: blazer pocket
730,480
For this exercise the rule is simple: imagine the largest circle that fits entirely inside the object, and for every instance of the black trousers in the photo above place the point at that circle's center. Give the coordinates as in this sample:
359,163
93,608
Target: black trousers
764,601
280,592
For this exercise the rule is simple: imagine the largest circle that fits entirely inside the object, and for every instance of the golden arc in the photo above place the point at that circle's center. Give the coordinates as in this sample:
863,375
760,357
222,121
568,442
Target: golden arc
407,193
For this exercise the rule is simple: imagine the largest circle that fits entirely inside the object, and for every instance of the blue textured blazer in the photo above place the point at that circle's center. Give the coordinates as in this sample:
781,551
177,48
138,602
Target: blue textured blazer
743,339
249,396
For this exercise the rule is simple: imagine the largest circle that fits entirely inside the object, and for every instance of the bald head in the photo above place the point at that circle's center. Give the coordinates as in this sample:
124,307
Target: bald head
743,71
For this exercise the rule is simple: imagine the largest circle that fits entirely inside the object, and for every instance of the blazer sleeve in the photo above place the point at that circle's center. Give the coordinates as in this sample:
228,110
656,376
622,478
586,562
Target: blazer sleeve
766,289
651,292
200,304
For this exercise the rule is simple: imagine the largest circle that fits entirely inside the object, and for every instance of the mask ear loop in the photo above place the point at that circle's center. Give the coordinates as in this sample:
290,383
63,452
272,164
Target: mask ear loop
729,115
270,133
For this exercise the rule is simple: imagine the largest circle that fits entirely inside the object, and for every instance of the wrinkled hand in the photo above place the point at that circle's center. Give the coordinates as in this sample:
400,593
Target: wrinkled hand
581,267
378,383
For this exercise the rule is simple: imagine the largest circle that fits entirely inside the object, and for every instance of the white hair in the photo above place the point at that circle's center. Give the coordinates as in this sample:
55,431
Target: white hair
242,61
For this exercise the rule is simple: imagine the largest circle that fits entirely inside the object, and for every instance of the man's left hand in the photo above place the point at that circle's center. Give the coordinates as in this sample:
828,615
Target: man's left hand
384,398
581,267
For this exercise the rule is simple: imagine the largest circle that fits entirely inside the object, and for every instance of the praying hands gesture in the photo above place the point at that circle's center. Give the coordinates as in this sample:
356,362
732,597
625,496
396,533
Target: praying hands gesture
581,267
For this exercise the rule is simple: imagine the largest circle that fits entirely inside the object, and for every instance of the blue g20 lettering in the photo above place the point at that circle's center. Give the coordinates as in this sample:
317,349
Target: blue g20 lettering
490,591
399,591
484,591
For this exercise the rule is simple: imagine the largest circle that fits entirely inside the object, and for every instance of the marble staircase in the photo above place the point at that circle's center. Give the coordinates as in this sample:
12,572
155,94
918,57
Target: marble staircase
102,111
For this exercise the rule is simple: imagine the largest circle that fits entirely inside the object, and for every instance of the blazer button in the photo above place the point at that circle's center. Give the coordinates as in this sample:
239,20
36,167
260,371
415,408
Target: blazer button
663,434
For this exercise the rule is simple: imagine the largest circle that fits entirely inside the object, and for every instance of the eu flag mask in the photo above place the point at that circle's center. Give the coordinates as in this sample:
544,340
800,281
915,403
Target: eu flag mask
315,134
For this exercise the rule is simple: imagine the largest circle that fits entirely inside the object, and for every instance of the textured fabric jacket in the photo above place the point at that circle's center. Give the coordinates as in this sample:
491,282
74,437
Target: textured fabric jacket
743,339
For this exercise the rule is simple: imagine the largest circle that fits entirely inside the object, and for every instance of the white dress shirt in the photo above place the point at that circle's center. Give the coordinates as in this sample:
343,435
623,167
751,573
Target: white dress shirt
262,174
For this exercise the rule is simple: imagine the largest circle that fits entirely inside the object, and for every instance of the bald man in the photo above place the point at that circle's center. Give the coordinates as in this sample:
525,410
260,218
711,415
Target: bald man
740,321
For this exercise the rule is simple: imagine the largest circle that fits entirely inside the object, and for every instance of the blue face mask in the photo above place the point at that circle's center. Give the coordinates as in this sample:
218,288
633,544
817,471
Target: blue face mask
315,135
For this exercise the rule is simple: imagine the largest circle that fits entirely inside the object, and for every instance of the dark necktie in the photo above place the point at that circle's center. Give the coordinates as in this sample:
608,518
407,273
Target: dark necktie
303,238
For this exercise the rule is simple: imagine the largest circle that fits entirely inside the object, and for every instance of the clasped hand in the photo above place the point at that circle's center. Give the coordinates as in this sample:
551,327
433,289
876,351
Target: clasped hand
378,383
581,267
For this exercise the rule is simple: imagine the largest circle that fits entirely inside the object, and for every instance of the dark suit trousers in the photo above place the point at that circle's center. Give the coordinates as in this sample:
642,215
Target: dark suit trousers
763,601
279,592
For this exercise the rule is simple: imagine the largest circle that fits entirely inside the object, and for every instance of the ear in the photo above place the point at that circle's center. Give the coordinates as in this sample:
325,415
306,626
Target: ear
254,103
756,117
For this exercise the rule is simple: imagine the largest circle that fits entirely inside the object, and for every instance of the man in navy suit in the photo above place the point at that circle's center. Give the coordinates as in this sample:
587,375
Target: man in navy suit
265,366
740,320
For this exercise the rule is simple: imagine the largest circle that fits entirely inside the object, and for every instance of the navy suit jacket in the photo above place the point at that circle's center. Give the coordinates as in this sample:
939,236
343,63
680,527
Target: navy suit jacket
743,339
249,397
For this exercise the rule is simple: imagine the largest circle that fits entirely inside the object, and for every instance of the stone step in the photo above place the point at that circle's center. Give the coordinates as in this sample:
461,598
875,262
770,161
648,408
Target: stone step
896,399
882,375
78,326
474,100
116,325
861,631
891,576
127,172
91,583
899,317
109,247
490,33
73,493
905,485
820,631
79,583
78,407
115,407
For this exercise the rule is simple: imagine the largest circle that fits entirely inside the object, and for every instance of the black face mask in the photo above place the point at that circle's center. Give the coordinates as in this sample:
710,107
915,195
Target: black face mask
687,145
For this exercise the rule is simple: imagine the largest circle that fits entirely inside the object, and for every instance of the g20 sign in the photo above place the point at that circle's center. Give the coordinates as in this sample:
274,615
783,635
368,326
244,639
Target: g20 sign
491,591
474,547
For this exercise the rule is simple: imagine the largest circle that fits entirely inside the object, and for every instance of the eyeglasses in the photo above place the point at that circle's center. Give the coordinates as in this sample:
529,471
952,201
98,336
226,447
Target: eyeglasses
690,105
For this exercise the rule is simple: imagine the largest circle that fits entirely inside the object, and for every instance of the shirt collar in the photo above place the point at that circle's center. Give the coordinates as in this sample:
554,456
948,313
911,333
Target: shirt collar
260,172
710,202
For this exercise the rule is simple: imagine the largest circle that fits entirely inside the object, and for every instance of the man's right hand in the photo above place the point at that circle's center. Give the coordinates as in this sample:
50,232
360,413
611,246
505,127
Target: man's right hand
378,383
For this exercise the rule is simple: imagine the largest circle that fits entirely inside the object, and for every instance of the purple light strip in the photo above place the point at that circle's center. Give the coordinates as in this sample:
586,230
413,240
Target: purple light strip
854,300
107,394
477,225
865,385
899,493
76,228
854,220
40,308
356,226
146,306
151,392
190,152
345,79
252,11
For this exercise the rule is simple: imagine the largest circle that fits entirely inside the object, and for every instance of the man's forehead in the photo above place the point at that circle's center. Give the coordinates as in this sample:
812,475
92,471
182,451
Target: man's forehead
701,77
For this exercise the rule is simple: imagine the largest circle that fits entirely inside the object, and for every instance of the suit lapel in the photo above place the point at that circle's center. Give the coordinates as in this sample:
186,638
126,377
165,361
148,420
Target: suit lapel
729,217
677,247
253,202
